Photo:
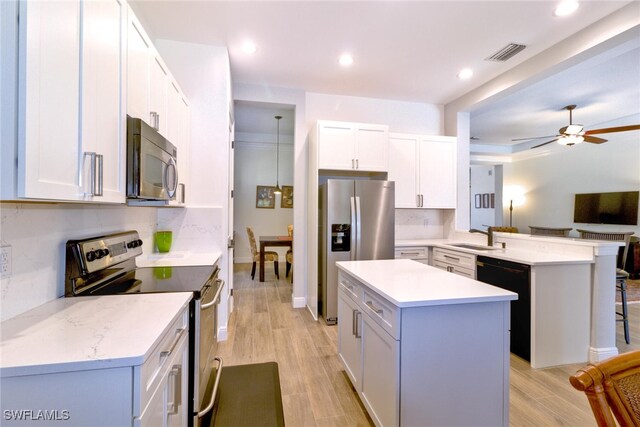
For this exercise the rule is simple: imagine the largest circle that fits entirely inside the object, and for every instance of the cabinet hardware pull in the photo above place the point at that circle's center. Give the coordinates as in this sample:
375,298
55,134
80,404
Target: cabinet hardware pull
354,329
409,253
215,389
358,332
176,399
372,307
98,171
357,165
452,257
154,120
353,164
422,200
179,333
417,200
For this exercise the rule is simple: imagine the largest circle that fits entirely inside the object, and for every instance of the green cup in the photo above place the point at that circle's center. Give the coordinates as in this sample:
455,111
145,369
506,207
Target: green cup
163,240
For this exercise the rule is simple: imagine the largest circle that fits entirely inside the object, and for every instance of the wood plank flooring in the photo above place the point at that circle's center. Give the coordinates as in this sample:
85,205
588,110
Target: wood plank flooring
316,391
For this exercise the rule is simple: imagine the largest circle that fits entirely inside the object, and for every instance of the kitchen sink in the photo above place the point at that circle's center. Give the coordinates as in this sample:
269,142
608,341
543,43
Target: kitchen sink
471,246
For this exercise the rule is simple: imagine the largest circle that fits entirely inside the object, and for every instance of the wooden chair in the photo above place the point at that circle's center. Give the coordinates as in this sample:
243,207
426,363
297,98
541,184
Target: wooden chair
612,386
549,231
289,254
621,274
268,255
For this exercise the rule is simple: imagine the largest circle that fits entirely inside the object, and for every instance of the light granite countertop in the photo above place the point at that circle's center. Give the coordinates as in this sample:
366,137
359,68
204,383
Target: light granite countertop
74,334
407,283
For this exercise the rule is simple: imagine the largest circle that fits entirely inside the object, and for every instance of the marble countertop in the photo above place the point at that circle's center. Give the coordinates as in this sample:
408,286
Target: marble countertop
407,283
521,255
82,333
178,259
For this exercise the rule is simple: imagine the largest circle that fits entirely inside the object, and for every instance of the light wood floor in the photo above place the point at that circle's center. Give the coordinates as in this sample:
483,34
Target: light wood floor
316,391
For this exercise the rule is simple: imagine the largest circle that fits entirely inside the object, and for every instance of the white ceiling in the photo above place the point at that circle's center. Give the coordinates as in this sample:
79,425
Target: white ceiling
403,50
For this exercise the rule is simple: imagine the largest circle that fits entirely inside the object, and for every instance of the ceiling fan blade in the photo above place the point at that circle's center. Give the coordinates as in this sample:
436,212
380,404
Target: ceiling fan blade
594,139
544,143
535,137
612,130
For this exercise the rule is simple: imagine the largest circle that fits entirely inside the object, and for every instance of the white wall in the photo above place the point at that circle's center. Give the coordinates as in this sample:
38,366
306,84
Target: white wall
255,165
37,234
551,181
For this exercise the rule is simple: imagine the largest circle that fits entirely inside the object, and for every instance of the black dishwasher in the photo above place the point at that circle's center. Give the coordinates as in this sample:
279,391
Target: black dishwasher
514,277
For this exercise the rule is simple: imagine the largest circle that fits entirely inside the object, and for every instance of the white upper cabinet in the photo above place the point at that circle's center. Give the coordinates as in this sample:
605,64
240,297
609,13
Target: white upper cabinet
138,46
159,89
353,146
70,131
177,130
424,169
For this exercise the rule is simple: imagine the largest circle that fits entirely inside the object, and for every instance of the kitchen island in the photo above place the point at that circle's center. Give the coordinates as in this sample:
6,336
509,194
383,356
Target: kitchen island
422,346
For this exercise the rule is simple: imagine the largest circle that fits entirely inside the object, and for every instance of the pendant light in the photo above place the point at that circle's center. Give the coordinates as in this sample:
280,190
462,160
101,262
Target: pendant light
277,190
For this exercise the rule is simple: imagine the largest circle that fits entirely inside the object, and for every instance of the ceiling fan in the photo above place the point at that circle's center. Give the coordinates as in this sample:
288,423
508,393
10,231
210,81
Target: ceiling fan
574,133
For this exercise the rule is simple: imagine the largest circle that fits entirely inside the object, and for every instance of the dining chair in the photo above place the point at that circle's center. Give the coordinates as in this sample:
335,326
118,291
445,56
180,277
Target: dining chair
289,254
621,274
269,256
613,389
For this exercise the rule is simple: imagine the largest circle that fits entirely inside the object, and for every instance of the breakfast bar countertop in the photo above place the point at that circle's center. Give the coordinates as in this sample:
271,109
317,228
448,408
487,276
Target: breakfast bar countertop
83,333
531,256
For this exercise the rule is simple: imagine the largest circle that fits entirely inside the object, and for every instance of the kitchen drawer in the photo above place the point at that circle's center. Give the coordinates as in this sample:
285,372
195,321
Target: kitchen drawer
382,312
420,252
148,376
352,288
462,271
454,258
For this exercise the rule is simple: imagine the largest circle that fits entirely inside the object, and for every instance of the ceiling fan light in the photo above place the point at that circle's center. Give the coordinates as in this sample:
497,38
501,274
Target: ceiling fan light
570,139
573,129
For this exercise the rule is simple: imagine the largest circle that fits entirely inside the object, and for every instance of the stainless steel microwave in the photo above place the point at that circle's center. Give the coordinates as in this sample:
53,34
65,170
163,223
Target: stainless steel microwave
152,170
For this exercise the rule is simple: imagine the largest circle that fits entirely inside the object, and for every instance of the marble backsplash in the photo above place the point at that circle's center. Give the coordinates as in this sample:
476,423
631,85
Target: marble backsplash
37,233
419,224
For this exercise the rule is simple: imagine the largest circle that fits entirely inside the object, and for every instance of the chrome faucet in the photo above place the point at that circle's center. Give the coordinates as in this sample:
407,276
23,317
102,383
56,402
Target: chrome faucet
488,233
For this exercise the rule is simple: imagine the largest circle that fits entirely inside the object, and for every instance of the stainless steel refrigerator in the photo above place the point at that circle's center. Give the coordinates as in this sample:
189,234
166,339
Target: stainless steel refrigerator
357,223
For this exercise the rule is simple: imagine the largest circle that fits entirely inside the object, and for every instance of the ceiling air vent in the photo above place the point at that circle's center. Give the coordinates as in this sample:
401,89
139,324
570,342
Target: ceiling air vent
506,52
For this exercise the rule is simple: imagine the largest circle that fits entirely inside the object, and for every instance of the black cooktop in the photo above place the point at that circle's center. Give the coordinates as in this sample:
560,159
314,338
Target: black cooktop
157,279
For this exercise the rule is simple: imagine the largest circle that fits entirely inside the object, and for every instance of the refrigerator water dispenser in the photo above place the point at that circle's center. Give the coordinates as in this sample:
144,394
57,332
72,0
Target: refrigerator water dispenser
340,237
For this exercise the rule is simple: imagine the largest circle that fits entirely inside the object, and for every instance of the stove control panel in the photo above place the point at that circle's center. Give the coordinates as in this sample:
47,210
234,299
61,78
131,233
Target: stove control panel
105,251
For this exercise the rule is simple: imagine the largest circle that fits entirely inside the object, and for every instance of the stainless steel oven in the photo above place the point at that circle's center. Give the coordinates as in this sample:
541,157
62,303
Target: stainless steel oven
105,265
152,170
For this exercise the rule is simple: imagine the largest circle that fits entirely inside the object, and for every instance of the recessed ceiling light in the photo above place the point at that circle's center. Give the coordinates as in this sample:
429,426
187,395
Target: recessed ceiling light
346,60
249,47
465,74
566,7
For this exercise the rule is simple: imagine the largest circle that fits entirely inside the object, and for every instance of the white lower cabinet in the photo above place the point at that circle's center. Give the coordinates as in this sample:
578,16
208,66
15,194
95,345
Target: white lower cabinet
461,263
413,366
153,394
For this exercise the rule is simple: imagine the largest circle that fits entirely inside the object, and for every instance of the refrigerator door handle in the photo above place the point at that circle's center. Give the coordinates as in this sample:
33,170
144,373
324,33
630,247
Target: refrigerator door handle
352,252
358,229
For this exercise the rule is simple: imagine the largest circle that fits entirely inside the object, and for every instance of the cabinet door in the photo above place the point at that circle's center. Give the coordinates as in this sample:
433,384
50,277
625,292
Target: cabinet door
403,169
49,93
380,374
102,115
336,146
349,338
177,388
372,148
158,92
438,173
138,51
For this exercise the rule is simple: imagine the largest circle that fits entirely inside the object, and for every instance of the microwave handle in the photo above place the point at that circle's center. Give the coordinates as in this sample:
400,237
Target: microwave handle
171,192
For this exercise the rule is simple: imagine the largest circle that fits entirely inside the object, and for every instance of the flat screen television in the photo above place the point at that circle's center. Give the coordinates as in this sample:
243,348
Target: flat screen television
619,207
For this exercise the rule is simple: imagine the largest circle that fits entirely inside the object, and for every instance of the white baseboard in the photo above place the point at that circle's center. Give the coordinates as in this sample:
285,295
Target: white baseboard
299,302
222,333
599,354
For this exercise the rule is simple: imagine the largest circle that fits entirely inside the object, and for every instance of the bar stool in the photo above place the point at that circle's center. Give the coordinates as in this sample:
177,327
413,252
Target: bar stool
621,274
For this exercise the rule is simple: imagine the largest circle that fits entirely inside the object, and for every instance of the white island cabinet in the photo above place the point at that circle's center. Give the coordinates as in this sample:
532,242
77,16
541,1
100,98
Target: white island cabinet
423,347
119,360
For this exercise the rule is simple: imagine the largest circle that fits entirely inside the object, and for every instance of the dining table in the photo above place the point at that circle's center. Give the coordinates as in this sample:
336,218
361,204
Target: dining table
266,241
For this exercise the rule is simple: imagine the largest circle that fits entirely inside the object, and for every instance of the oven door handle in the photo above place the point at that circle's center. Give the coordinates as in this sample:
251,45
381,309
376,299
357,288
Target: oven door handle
215,389
216,298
